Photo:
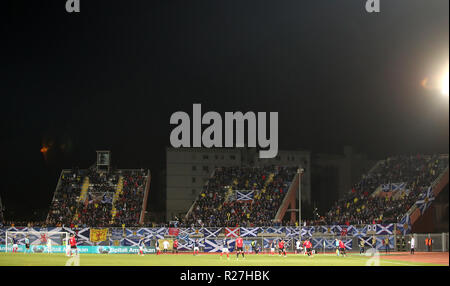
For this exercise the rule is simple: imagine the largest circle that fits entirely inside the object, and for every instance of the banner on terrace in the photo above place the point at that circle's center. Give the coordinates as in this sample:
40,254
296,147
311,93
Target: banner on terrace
244,195
98,235
84,249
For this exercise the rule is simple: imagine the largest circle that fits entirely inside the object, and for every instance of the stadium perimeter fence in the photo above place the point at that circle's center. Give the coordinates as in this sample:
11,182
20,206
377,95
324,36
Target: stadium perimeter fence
321,242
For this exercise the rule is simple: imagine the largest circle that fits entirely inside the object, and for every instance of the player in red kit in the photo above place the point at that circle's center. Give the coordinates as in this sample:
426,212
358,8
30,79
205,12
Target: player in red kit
175,246
73,245
342,248
308,247
240,247
281,249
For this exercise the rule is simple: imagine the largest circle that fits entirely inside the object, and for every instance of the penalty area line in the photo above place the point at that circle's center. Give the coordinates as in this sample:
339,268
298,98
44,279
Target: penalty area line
73,261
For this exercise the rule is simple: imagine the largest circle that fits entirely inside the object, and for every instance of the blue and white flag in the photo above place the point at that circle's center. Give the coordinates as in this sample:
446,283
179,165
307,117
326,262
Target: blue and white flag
275,230
380,244
348,243
244,195
159,233
212,245
211,232
249,231
405,225
267,241
398,186
386,187
384,229
307,231
427,198
292,232
145,232
107,199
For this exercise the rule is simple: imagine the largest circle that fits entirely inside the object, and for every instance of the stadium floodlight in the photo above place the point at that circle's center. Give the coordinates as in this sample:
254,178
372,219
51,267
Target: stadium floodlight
47,239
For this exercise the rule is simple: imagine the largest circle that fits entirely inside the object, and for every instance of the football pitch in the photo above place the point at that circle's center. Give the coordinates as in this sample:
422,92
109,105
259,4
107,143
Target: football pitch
39,259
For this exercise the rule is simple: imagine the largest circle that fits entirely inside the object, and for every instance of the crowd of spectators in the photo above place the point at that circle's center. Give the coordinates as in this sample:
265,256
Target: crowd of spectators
129,203
96,209
65,204
215,208
1,213
362,205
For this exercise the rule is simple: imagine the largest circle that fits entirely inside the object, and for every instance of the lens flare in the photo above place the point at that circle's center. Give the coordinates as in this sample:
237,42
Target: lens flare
444,89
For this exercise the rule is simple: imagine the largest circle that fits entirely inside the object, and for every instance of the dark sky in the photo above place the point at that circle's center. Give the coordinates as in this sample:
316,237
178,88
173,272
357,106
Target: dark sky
111,76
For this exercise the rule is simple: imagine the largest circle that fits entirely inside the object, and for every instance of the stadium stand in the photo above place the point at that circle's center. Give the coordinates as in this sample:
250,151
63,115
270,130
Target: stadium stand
388,191
99,199
1,213
243,196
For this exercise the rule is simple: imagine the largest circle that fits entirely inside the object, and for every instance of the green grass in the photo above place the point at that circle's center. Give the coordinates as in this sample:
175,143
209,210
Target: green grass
35,259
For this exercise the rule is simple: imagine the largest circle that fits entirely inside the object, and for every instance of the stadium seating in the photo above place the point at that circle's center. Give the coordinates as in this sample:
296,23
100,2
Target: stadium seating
1,213
241,196
90,198
388,191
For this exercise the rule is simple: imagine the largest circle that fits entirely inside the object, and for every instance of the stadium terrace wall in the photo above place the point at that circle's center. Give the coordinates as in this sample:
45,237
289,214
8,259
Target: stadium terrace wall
321,236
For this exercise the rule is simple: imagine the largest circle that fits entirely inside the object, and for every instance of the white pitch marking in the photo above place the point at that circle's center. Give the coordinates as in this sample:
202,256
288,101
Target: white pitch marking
73,261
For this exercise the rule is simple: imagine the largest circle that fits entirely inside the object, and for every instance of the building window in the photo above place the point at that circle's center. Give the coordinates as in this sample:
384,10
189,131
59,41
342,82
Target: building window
193,192
193,179
205,157
232,157
194,168
205,168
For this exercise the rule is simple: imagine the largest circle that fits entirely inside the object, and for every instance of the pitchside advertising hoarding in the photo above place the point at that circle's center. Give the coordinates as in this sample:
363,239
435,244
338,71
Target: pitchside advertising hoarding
83,249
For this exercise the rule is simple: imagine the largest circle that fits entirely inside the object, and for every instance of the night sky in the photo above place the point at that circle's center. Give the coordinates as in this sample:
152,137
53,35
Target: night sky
111,76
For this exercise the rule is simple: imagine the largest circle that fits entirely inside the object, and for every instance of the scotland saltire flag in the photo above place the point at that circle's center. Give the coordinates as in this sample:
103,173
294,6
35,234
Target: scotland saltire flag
368,241
384,229
275,230
292,232
426,199
107,199
212,246
249,231
210,232
386,187
159,232
267,241
380,244
397,186
307,231
405,225
244,195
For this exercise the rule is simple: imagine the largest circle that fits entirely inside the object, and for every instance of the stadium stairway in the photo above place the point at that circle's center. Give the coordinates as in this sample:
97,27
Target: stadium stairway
84,190
119,189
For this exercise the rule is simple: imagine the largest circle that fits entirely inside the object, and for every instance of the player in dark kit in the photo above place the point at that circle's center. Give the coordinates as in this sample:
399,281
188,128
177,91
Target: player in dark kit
157,246
239,247
272,247
196,246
